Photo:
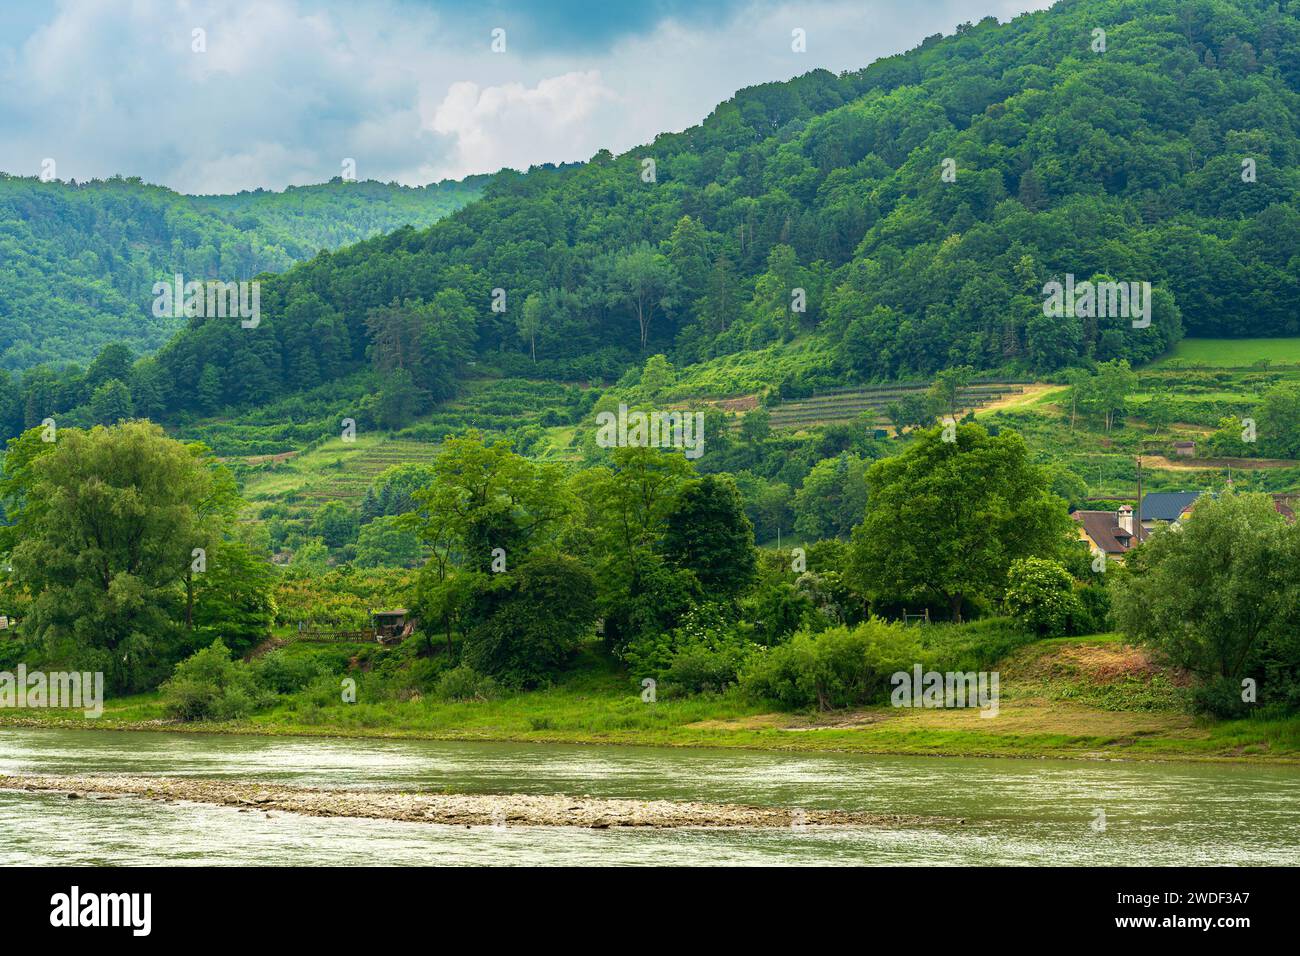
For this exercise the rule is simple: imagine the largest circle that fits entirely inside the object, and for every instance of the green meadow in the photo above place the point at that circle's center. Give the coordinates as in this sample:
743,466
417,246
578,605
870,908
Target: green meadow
1234,353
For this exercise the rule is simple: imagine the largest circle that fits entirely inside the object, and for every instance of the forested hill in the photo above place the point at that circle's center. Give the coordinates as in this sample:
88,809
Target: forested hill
1144,140
306,219
79,261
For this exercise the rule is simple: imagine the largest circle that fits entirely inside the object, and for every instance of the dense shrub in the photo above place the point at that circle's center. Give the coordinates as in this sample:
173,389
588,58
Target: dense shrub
210,686
281,673
836,668
465,683
1094,610
779,608
701,670
1040,595
325,690
973,645
1219,697
704,653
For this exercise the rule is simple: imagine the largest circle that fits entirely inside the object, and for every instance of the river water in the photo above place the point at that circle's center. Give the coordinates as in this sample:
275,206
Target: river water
1016,811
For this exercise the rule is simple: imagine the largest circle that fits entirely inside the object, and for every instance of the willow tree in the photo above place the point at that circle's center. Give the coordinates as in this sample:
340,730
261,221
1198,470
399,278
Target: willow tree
108,528
1220,596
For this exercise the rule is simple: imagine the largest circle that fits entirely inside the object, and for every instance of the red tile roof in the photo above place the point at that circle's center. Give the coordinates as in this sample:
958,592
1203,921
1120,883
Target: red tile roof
1104,530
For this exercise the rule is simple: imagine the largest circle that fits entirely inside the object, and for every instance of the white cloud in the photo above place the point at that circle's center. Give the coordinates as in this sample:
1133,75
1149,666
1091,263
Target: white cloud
515,125
288,88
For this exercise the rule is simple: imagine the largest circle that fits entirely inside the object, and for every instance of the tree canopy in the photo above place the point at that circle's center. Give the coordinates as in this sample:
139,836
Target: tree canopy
947,518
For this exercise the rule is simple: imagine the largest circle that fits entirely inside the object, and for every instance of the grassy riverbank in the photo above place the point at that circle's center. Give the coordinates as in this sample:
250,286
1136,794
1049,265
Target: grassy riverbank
1088,698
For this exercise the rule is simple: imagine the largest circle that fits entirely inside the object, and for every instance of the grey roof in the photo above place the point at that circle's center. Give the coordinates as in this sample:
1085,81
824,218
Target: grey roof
1166,505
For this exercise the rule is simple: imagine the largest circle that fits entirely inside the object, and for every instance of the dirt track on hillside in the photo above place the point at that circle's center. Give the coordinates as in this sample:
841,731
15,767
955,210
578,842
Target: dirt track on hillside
1209,464
1029,394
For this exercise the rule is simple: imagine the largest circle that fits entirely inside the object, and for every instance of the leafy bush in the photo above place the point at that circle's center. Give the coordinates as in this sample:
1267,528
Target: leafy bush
1219,697
210,686
1040,595
527,623
840,667
1094,610
972,645
700,670
14,652
778,608
704,653
325,690
465,683
282,674
1228,442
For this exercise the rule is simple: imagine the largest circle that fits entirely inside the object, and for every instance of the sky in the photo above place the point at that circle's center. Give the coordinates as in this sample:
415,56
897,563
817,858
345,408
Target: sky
216,96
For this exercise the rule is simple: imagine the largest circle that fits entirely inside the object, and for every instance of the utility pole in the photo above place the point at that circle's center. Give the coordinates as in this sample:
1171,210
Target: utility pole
1137,532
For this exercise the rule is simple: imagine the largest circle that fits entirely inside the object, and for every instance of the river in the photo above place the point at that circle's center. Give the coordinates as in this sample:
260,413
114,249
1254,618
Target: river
1037,812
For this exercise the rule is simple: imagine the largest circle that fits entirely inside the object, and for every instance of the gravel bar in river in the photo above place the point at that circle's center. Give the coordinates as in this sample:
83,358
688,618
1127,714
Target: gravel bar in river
455,809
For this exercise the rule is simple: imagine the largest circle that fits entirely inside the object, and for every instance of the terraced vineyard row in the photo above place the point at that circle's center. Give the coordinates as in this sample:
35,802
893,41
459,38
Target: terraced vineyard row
350,481
336,471
847,404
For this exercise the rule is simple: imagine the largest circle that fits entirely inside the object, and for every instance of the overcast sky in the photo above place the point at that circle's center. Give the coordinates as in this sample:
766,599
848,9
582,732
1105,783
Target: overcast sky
410,89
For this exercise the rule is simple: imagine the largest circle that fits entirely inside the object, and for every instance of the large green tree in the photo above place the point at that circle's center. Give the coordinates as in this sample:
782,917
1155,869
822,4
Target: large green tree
110,403
646,282
945,519
233,598
833,497
524,625
483,513
430,340
105,528
485,499
388,541
1220,596
1279,422
627,500
709,534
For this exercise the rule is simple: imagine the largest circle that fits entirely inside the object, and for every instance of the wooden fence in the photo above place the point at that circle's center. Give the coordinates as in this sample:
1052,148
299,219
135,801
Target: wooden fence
362,636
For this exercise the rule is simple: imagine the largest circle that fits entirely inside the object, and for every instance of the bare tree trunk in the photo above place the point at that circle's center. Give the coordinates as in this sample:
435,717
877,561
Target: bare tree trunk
642,320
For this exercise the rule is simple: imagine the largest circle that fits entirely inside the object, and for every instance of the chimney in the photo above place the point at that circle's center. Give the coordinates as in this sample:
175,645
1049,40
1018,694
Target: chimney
1125,518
